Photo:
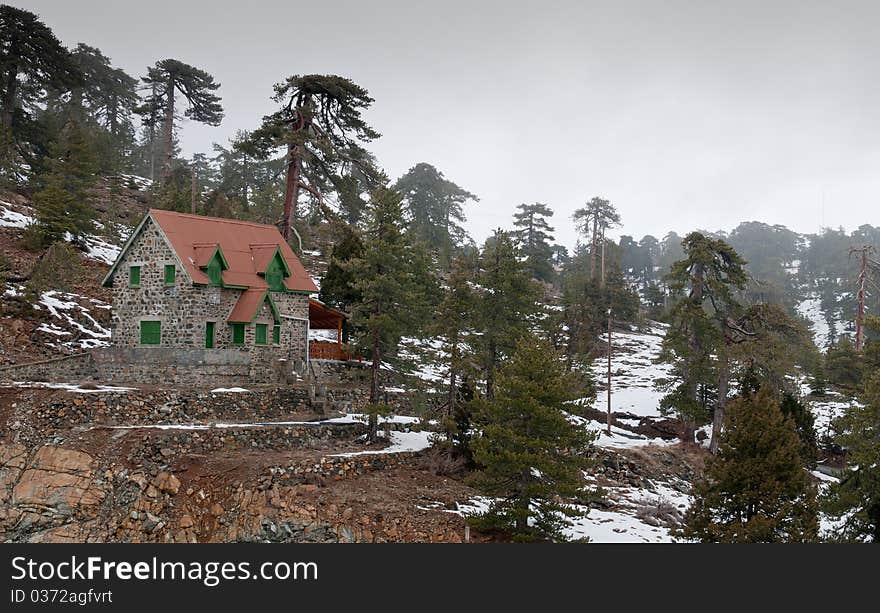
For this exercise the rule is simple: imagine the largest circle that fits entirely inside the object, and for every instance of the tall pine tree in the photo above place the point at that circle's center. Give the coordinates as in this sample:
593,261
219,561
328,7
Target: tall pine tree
320,127
530,456
435,207
534,236
391,287
171,77
755,489
508,302
62,203
32,62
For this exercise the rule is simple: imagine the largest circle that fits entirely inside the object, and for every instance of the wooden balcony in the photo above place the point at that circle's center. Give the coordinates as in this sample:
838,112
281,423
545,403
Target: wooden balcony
320,350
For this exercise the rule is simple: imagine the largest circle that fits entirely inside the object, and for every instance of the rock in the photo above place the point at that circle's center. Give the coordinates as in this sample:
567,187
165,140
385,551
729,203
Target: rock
186,521
58,482
167,482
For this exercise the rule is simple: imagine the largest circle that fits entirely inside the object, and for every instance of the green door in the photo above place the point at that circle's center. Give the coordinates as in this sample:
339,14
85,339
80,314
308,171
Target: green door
209,335
151,332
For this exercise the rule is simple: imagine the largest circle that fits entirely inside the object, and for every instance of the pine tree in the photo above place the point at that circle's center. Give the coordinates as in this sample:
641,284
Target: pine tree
453,324
391,287
168,78
32,62
534,235
508,300
708,276
530,456
585,305
320,127
844,366
434,206
593,219
63,204
855,500
338,284
755,489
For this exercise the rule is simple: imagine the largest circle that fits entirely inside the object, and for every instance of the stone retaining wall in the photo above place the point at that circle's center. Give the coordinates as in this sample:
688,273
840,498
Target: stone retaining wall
156,365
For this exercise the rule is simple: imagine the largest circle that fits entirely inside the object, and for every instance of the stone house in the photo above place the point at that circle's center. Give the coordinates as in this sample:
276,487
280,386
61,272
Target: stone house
204,290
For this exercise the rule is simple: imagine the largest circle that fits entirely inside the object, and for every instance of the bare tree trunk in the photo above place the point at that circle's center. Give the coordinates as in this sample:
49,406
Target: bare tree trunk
192,204
374,387
451,410
602,278
291,190
169,131
9,98
490,372
593,248
721,403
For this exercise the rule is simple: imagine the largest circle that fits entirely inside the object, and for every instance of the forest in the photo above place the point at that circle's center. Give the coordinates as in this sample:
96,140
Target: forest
760,321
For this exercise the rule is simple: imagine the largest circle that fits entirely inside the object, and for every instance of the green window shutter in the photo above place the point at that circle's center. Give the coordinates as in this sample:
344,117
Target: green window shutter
215,271
260,338
276,335
134,276
209,335
275,275
151,332
238,334
170,272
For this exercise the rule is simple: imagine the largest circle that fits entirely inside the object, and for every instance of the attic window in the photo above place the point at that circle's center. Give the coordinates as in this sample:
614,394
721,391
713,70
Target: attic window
215,271
170,273
134,276
276,270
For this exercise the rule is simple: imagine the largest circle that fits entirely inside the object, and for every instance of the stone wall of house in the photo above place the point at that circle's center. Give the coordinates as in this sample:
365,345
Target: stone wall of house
176,306
184,310
294,309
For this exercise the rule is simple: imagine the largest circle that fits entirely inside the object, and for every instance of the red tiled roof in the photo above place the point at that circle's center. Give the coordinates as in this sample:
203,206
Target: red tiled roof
245,246
249,303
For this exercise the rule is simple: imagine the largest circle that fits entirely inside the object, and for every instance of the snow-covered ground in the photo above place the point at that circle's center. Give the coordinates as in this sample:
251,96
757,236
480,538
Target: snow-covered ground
97,248
811,310
79,389
10,218
70,318
619,438
637,519
633,372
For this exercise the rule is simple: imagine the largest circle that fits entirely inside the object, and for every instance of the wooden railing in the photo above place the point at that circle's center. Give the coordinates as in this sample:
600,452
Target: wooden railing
319,350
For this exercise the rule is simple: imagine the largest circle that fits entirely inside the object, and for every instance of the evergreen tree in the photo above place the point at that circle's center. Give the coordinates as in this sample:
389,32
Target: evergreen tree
708,276
534,235
530,456
844,366
392,288
855,500
58,268
453,324
319,125
508,300
338,285
168,78
593,219
63,204
32,62
434,206
755,489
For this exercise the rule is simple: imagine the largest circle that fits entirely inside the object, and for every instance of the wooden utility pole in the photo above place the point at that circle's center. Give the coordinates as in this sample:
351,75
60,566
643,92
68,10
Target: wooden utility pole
860,296
609,373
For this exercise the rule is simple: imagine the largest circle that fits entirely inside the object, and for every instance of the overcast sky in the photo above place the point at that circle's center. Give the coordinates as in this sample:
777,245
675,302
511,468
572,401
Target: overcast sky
684,114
